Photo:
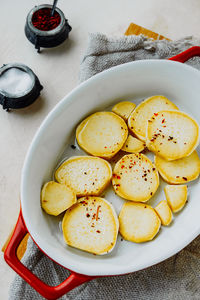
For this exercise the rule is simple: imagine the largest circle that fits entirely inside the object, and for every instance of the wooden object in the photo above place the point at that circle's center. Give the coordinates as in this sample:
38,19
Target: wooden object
132,29
137,30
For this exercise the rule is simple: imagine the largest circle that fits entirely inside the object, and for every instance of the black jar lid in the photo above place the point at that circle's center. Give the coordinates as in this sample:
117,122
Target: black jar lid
23,98
46,38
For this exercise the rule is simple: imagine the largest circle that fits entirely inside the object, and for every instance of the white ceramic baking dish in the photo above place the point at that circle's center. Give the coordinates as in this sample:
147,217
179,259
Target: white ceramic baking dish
132,81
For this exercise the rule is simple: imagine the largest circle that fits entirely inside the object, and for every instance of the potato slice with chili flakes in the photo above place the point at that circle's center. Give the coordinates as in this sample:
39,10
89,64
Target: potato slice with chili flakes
164,212
172,134
179,171
56,198
86,175
91,225
135,178
137,121
133,145
124,109
176,196
138,222
102,134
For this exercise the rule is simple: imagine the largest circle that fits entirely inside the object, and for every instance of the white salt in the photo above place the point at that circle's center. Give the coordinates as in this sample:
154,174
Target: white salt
15,81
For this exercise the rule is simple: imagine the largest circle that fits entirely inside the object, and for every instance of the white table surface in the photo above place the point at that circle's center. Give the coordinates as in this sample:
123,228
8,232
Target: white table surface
58,70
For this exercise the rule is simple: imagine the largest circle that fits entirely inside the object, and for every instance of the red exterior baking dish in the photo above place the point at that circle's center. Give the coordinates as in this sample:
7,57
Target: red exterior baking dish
135,80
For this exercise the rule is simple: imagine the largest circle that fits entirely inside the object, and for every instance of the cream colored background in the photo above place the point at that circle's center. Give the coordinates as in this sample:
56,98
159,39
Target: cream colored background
58,70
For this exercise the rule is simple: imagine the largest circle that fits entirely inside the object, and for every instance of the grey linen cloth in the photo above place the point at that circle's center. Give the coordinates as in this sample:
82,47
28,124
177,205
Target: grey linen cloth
175,278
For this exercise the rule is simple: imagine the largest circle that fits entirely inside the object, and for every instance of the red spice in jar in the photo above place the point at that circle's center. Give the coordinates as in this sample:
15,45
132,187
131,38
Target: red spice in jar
43,20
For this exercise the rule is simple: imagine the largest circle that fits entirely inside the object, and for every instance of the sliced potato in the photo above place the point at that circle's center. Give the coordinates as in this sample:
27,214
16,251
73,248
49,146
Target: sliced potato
164,212
56,198
124,109
87,175
91,225
179,171
176,196
133,145
135,178
172,134
102,134
137,121
138,222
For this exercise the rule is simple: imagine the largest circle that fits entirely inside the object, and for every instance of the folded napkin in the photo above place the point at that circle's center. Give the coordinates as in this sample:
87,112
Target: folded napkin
177,277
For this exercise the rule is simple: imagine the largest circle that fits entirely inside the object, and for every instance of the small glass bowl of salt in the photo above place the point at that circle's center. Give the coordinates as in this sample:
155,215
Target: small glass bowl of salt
19,86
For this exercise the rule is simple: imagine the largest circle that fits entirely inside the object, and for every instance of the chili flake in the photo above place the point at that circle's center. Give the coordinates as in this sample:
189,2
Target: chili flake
43,20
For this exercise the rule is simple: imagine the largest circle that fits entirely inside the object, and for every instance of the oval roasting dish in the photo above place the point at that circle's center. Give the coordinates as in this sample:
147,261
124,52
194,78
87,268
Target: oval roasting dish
132,81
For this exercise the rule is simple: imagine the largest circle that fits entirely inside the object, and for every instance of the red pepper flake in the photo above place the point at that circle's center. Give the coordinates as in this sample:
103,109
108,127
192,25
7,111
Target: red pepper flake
155,114
164,125
118,184
185,178
98,231
151,193
163,120
43,20
105,147
87,215
118,177
170,138
177,176
122,166
84,202
97,212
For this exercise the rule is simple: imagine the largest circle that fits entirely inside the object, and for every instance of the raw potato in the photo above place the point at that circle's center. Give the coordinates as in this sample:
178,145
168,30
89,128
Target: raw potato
91,225
135,178
172,134
56,198
124,109
138,222
137,121
133,145
87,175
102,134
164,212
179,171
176,196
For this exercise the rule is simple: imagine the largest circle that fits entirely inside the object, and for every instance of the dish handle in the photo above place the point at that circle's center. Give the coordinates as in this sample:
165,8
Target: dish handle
49,292
187,54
